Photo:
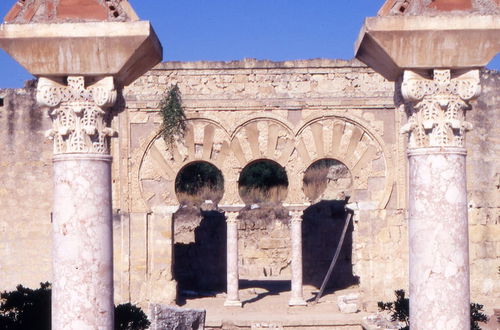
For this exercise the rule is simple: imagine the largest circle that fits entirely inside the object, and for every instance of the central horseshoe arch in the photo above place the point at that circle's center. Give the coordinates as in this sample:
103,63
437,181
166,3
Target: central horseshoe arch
348,140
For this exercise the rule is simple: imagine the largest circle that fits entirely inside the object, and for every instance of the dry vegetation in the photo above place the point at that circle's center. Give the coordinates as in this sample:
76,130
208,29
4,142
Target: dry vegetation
315,181
254,195
201,195
320,174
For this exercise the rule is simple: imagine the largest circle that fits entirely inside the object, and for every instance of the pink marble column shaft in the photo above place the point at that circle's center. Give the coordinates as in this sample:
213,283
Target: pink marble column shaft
296,298
233,297
82,284
438,238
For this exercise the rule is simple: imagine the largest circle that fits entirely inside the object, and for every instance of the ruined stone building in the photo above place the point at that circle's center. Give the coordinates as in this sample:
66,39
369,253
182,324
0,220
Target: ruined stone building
292,113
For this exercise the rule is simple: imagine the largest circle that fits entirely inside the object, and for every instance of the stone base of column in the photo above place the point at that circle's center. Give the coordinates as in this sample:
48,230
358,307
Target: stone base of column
297,302
233,303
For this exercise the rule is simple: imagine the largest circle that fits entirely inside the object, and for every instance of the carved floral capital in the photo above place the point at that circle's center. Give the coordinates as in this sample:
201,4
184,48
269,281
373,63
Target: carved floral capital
437,107
78,112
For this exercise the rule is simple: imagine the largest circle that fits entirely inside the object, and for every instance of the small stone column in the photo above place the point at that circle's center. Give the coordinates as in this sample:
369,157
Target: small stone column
438,229
233,296
82,283
296,298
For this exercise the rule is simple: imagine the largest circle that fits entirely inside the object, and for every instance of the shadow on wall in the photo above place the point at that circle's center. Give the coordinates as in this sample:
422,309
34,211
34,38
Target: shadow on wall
200,266
322,227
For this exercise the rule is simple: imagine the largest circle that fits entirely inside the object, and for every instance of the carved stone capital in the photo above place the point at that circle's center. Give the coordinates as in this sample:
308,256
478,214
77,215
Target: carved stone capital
296,216
231,217
78,112
437,107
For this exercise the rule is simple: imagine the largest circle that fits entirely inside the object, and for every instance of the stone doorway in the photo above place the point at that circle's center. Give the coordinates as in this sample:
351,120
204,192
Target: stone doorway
327,184
264,236
321,231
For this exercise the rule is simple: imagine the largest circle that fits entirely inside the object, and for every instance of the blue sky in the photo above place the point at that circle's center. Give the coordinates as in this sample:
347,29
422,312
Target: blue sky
224,30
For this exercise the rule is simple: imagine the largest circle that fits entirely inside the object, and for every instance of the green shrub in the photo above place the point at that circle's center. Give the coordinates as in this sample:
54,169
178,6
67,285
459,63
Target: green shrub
27,309
476,316
400,311
173,117
130,317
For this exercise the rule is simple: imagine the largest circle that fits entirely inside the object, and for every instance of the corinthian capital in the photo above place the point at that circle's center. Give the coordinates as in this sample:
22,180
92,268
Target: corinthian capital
437,107
78,112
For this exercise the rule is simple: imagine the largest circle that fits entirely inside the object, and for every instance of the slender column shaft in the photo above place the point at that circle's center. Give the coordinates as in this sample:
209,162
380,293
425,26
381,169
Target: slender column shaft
296,298
233,297
82,292
439,251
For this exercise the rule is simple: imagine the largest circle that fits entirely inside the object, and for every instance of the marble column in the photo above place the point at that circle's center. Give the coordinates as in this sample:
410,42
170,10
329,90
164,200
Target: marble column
296,298
82,282
233,296
438,230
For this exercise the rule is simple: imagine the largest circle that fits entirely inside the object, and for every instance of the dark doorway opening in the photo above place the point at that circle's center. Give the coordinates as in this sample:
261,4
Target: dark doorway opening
200,266
327,184
321,232
199,232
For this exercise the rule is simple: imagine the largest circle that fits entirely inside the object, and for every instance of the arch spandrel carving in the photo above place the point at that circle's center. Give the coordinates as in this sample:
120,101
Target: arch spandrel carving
204,140
262,137
346,139
350,141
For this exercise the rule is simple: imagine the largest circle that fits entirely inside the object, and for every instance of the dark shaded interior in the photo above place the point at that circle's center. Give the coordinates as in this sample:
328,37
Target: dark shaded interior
322,228
200,267
271,287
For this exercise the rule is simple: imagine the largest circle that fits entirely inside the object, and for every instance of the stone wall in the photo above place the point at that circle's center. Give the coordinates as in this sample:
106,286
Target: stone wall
483,185
293,113
25,191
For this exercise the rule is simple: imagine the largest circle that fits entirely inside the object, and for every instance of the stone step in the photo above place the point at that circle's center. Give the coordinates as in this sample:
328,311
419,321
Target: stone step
282,325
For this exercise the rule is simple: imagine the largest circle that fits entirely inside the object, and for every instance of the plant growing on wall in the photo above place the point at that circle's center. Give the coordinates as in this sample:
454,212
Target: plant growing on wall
173,117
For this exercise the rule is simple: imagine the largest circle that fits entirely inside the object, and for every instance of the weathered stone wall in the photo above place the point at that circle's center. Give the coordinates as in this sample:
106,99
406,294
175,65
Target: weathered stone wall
483,185
293,113
25,191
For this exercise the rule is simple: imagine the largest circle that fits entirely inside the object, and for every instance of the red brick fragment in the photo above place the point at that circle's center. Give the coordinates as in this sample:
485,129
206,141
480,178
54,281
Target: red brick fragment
81,9
49,9
31,11
449,5
13,12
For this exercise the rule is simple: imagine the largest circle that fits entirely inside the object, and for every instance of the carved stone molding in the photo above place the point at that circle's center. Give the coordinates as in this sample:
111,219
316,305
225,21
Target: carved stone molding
437,107
296,216
79,117
231,217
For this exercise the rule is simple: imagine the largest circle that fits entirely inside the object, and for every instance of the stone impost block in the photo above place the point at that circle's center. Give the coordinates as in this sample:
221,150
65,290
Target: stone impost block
124,50
429,42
